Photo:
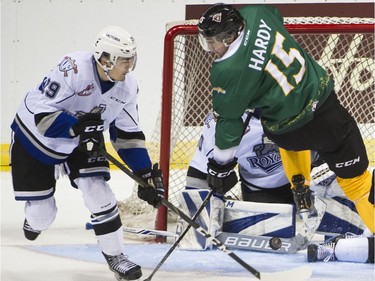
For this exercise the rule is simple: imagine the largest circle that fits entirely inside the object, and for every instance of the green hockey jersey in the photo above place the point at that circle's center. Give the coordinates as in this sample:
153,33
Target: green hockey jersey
270,71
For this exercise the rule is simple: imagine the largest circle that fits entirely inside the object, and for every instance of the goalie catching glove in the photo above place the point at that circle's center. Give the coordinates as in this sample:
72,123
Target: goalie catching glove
221,178
90,129
154,191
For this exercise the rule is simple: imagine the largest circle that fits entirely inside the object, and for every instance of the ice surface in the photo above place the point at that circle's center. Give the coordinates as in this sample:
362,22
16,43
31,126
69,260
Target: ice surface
68,252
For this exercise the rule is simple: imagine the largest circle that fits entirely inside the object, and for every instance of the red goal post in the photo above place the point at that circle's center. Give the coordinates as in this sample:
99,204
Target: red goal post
344,46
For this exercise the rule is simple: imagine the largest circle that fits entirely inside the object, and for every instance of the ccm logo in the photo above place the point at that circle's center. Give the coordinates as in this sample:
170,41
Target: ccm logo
97,128
219,175
347,163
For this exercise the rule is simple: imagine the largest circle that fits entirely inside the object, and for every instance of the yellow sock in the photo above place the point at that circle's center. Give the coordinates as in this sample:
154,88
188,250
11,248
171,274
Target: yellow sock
357,190
295,163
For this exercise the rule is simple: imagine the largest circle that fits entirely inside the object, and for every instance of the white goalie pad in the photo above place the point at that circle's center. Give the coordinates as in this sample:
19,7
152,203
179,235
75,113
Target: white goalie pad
259,219
211,218
341,216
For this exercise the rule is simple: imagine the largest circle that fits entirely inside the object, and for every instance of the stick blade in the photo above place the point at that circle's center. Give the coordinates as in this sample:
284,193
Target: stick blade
296,274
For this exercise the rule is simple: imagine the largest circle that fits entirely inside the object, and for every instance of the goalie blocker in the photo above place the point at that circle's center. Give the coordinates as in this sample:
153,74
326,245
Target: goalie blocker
252,219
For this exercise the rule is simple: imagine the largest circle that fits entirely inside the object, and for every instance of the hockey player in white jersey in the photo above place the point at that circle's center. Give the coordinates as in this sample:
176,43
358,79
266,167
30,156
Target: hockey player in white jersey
62,121
263,181
258,158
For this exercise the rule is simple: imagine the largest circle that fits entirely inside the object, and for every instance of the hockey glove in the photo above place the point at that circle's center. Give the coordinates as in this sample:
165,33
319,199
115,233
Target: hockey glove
90,130
221,178
154,191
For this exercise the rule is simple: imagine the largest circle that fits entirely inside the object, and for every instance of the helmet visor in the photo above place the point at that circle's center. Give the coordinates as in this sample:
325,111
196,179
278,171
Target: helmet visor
126,64
210,44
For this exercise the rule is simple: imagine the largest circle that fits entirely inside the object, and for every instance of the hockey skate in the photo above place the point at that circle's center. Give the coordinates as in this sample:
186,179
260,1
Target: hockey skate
29,232
123,268
303,197
321,252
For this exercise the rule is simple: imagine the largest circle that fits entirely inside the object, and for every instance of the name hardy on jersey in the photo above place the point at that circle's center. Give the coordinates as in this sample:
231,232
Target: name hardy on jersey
260,45
260,49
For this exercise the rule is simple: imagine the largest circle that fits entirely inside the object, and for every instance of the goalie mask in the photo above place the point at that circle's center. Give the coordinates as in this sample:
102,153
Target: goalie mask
219,23
113,42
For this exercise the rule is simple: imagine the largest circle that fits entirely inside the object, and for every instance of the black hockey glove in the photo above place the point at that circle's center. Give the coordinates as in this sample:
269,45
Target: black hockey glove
90,131
154,192
221,178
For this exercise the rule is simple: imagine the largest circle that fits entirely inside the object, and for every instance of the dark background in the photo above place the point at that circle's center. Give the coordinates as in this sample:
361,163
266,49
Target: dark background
365,10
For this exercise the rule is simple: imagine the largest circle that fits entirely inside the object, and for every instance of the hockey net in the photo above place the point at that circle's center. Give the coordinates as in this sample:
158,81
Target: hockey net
343,46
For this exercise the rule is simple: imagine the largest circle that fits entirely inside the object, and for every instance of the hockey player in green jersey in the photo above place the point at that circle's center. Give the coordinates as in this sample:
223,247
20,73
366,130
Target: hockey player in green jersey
260,65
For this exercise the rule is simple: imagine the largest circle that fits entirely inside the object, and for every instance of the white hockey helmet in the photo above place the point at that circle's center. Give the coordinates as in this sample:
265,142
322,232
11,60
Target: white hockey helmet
116,42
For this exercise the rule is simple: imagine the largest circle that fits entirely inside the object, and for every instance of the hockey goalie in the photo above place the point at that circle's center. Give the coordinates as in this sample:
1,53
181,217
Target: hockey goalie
267,207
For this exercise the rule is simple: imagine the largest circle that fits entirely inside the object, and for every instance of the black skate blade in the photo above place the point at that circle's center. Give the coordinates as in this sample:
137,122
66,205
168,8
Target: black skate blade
131,277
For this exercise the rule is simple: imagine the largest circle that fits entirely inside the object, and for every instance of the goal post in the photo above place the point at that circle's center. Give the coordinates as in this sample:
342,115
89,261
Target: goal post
343,46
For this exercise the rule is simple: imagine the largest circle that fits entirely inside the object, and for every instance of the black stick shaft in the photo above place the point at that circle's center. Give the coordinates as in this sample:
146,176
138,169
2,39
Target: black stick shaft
186,218
170,251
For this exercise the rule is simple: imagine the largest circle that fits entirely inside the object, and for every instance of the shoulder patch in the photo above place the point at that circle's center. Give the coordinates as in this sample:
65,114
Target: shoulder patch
68,64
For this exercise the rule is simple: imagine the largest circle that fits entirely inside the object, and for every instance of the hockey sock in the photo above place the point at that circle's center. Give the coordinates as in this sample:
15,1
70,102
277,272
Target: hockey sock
357,189
295,163
111,243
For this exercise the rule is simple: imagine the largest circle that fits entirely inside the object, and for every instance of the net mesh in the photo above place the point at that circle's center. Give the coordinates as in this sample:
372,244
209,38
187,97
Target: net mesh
348,57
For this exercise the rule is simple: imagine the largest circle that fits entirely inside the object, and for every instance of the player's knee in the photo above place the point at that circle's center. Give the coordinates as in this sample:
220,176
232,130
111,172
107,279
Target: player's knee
97,195
40,214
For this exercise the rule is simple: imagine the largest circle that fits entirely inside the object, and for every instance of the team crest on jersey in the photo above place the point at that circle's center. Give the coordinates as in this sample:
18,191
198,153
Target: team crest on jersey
267,157
68,64
216,17
87,91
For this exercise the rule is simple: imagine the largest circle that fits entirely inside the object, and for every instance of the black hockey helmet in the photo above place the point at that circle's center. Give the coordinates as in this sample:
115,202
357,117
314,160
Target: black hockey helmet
220,19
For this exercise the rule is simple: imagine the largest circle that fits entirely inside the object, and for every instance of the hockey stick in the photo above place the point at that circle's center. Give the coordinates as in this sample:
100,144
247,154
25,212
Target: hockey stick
198,212
166,256
300,273
141,231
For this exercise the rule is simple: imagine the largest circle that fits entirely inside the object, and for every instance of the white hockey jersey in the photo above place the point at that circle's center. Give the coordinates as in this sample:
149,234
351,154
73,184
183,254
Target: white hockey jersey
73,87
259,159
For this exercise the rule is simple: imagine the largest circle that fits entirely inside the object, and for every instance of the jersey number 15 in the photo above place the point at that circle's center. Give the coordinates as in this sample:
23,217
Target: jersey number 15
287,58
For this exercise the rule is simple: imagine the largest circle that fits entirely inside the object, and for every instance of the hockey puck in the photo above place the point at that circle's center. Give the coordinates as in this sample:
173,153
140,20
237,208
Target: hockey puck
275,243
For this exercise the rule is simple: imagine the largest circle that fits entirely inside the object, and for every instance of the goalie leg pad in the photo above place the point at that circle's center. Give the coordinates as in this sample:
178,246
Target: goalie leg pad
259,219
211,218
40,214
340,217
